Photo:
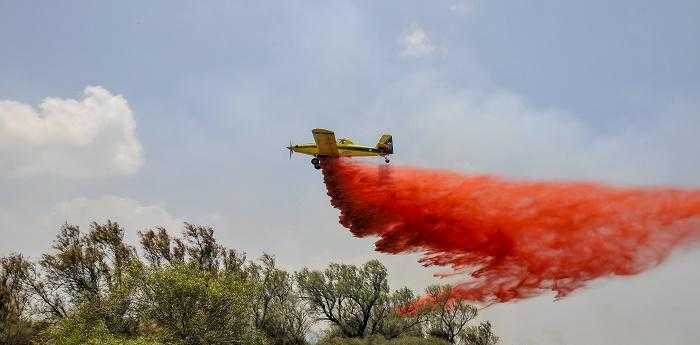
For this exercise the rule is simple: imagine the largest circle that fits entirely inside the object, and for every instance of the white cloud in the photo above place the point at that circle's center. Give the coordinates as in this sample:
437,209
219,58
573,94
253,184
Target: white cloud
131,214
415,43
92,137
32,226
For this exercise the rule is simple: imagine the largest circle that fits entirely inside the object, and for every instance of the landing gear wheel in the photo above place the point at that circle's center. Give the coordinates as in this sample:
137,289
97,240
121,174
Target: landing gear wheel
315,161
317,166
386,160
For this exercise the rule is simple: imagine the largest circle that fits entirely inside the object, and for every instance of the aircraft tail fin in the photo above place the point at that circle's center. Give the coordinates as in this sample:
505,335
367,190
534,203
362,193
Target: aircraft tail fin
386,144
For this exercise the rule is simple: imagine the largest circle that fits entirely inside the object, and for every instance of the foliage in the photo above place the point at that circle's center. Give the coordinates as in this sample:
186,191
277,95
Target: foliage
449,317
190,306
353,299
480,335
87,268
84,326
93,288
277,309
15,325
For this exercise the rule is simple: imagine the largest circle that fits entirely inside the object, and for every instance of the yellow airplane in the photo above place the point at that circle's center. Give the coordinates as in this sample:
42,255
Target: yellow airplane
326,146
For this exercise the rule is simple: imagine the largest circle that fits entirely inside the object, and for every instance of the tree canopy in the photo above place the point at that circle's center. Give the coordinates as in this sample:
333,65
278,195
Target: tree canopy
94,288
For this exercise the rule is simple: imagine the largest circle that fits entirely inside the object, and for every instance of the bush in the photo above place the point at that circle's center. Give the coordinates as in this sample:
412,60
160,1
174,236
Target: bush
78,330
191,306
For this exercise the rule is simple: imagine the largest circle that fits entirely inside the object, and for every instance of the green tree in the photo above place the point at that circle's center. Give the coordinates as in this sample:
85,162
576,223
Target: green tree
202,248
87,265
184,304
90,270
198,247
278,310
356,300
50,303
83,326
159,249
93,288
400,315
480,335
16,327
449,315
195,291
345,295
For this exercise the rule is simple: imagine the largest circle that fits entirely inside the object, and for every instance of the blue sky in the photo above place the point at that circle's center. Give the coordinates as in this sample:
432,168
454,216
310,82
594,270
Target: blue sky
211,92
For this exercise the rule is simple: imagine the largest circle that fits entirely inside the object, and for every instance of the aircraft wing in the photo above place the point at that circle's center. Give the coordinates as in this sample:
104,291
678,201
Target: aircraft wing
326,143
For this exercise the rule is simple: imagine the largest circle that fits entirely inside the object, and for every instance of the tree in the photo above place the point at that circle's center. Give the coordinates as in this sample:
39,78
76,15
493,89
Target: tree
93,288
156,245
195,291
449,315
480,335
198,247
84,266
89,270
184,304
357,300
278,311
202,247
402,315
15,324
83,326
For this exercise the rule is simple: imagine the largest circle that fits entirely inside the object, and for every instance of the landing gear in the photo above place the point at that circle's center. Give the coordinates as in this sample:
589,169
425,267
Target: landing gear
316,163
386,160
317,166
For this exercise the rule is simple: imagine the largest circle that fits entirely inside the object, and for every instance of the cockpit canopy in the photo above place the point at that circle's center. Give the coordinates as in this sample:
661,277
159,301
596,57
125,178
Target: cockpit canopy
345,141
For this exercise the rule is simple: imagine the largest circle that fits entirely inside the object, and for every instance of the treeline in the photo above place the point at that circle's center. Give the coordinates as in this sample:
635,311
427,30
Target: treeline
94,288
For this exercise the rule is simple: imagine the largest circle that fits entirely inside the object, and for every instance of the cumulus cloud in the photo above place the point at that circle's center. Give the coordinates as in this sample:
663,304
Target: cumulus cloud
415,43
133,215
91,137
33,225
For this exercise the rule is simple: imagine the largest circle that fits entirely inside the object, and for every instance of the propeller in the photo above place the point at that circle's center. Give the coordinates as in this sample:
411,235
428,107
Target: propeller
290,149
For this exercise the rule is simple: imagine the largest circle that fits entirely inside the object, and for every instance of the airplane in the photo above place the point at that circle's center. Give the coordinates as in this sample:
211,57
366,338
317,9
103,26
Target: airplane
327,146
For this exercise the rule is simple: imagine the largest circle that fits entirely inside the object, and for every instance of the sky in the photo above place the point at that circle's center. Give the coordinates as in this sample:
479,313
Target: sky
154,113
